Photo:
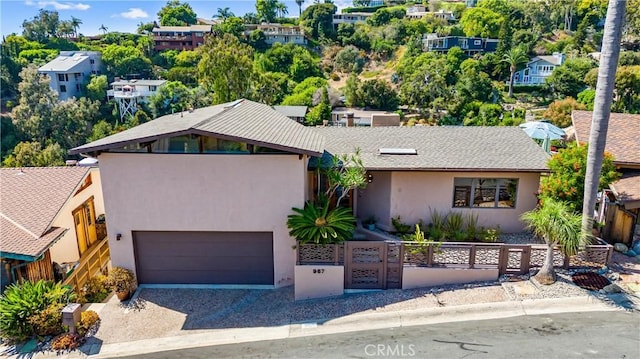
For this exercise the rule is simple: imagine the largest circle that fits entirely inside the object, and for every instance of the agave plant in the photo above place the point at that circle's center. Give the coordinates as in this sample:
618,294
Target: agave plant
321,225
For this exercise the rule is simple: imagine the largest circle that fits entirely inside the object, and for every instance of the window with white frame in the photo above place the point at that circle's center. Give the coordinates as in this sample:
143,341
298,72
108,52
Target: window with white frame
485,192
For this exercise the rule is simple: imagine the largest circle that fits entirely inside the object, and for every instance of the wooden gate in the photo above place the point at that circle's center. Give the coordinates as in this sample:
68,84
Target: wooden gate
373,265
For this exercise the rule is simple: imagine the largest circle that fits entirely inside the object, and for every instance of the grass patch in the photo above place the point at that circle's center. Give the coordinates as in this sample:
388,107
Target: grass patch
370,74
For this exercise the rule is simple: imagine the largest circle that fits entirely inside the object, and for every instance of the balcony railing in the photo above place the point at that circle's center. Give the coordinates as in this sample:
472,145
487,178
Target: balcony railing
93,263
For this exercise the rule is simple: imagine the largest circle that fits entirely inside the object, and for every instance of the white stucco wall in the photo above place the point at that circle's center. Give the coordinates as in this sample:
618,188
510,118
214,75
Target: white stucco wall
66,249
412,194
181,192
318,281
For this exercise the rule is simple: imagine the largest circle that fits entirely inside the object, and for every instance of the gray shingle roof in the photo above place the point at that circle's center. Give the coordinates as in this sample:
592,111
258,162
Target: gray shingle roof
453,148
292,111
241,120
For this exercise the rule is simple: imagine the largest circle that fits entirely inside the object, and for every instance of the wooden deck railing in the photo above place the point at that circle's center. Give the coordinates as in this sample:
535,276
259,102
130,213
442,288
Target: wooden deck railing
93,263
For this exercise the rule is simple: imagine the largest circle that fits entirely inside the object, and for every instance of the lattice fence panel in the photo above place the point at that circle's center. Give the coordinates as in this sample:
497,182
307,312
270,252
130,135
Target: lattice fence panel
445,255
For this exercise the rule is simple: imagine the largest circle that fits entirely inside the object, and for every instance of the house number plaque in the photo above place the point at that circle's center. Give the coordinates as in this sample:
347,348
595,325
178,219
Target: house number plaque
318,271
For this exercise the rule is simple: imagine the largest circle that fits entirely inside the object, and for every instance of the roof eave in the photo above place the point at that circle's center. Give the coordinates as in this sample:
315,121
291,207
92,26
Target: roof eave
90,149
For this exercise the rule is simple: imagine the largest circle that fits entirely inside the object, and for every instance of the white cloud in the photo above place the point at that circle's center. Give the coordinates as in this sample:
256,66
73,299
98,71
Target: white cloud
58,5
134,13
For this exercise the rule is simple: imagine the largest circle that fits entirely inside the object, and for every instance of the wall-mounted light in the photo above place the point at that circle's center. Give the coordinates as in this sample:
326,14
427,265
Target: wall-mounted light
369,178
118,236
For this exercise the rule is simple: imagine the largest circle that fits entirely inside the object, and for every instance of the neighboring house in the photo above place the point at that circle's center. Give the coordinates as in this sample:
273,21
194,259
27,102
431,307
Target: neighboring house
71,71
179,37
202,21
493,172
296,113
470,45
622,210
47,214
342,116
351,18
538,69
420,11
278,33
129,93
203,197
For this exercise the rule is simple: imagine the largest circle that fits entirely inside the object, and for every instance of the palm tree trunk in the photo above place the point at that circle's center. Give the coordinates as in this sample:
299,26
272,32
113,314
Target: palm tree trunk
546,274
602,107
513,74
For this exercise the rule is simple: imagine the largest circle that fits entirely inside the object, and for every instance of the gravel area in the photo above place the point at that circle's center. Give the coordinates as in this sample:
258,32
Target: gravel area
520,238
531,289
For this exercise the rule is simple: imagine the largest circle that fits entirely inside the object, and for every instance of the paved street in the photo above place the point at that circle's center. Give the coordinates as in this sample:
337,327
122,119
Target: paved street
566,335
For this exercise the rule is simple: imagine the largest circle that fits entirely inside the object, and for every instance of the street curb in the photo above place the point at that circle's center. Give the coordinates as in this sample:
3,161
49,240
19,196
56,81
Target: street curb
358,322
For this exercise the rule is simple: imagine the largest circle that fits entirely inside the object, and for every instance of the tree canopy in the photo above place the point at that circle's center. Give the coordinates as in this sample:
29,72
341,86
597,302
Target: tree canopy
175,13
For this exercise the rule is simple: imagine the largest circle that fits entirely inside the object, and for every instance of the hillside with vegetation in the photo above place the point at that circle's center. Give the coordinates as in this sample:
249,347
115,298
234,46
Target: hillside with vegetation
377,64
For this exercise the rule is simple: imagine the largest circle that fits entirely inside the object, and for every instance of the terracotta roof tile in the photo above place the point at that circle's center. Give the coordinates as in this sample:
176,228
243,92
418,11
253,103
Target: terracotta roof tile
623,135
30,198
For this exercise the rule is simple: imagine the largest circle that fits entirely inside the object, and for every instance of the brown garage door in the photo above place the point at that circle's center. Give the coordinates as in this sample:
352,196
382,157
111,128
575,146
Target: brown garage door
204,257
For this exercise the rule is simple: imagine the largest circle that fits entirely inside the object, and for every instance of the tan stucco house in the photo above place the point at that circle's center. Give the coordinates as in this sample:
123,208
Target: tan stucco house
202,197
47,215
493,172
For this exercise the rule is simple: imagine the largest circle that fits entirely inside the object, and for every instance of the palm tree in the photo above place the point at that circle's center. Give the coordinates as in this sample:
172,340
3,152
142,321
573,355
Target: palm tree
558,226
281,8
75,22
514,57
65,29
602,107
299,2
224,14
103,28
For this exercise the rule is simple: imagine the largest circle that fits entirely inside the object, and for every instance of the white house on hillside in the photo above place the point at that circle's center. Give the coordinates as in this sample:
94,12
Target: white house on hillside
277,33
351,18
128,93
70,71
538,69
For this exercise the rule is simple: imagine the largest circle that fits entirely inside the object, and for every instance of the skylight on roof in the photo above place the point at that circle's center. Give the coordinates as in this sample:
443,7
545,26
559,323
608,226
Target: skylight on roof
397,151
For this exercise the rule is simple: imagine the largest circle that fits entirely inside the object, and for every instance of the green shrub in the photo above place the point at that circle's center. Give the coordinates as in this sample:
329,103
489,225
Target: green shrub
321,225
19,302
454,227
87,320
48,321
490,235
67,341
437,226
399,226
471,227
95,290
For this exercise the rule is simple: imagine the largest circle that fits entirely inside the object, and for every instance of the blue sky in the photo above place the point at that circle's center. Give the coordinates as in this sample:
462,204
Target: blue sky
118,15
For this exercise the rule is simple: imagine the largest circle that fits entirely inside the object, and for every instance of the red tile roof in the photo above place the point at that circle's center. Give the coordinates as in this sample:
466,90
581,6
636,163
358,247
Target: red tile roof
30,199
623,135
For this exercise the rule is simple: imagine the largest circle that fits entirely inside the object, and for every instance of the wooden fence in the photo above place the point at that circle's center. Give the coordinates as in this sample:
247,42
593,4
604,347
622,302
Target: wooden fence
394,255
93,263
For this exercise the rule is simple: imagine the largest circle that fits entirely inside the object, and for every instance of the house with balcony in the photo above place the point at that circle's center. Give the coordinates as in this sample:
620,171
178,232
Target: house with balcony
538,69
470,45
179,37
278,33
419,11
70,71
351,18
129,93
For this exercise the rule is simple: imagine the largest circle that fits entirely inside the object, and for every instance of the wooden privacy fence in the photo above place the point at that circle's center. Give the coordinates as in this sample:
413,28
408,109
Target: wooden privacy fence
93,263
378,264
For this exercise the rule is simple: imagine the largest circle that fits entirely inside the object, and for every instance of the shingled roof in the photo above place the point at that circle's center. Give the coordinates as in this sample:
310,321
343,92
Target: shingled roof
623,135
31,199
241,120
447,148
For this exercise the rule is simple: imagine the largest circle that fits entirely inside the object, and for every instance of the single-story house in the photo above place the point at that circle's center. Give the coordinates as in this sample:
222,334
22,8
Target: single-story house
538,69
47,214
296,113
622,210
493,172
202,197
